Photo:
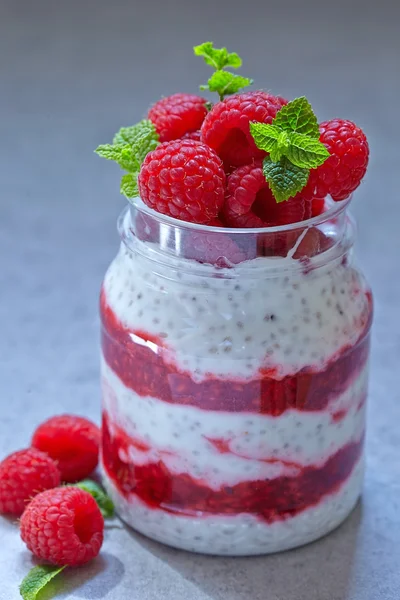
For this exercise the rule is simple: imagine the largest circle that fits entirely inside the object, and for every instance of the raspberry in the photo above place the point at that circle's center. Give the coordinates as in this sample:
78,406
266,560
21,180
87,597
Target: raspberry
343,171
183,179
244,187
247,221
249,201
317,206
24,474
308,209
217,249
216,223
312,243
193,135
226,127
63,526
175,116
282,213
73,442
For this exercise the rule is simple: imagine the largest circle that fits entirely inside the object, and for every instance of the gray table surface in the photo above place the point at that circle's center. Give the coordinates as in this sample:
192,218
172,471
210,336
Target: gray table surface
71,73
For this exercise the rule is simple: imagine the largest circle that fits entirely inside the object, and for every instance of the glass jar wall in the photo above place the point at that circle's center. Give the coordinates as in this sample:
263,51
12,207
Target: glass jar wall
234,381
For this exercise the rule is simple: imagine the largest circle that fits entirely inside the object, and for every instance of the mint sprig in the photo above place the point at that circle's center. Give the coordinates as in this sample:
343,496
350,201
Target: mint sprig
285,179
218,58
104,502
292,142
130,135
129,186
298,116
122,154
306,152
223,82
37,579
129,149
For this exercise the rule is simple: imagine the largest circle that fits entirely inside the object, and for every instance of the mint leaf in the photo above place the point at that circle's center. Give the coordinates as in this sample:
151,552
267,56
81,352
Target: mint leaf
94,489
284,178
129,149
129,187
144,144
109,151
122,154
305,151
298,116
265,136
222,82
219,58
292,142
129,135
225,83
37,579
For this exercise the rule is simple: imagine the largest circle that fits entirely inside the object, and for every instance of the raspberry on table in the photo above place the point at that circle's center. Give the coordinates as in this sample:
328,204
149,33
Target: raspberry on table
183,179
73,442
63,526
226,127
343,171
177,115
24,474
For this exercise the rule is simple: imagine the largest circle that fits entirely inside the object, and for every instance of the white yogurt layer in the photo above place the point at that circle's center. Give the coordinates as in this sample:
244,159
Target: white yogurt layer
233,326
241,534
180,435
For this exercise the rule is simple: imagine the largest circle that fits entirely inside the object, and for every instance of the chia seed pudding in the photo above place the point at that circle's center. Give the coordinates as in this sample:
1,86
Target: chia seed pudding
234,395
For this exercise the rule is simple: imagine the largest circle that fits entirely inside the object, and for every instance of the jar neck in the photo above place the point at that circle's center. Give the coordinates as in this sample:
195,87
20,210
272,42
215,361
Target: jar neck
168,243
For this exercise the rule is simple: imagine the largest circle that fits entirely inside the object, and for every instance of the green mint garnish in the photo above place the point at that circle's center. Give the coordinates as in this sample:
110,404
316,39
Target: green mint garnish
37,579
285,179
129,149
265,137
225,83
130,135
306,152
292,142
222,82
94,489
218,58
129,186
298,116
122,154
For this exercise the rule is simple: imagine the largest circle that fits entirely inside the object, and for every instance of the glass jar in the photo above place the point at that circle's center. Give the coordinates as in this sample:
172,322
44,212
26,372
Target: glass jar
234,381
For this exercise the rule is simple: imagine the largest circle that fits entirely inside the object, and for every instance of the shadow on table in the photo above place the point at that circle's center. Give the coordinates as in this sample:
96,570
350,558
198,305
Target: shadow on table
323,567
94,580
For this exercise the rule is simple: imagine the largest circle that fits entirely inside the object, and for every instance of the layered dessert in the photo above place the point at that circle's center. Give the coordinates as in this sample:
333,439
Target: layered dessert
235,326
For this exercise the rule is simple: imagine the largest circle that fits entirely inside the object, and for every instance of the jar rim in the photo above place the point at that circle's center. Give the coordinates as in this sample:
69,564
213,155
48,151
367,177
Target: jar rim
335,210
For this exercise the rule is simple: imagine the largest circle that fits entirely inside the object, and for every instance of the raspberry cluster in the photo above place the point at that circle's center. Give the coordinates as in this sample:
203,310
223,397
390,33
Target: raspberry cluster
213,167
61,525
250,160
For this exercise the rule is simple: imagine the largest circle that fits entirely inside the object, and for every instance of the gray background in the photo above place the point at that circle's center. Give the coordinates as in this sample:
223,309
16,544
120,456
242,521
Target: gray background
72,73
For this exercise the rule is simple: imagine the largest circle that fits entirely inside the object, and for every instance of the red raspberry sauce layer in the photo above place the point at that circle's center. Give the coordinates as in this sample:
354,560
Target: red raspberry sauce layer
147,374
270,500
